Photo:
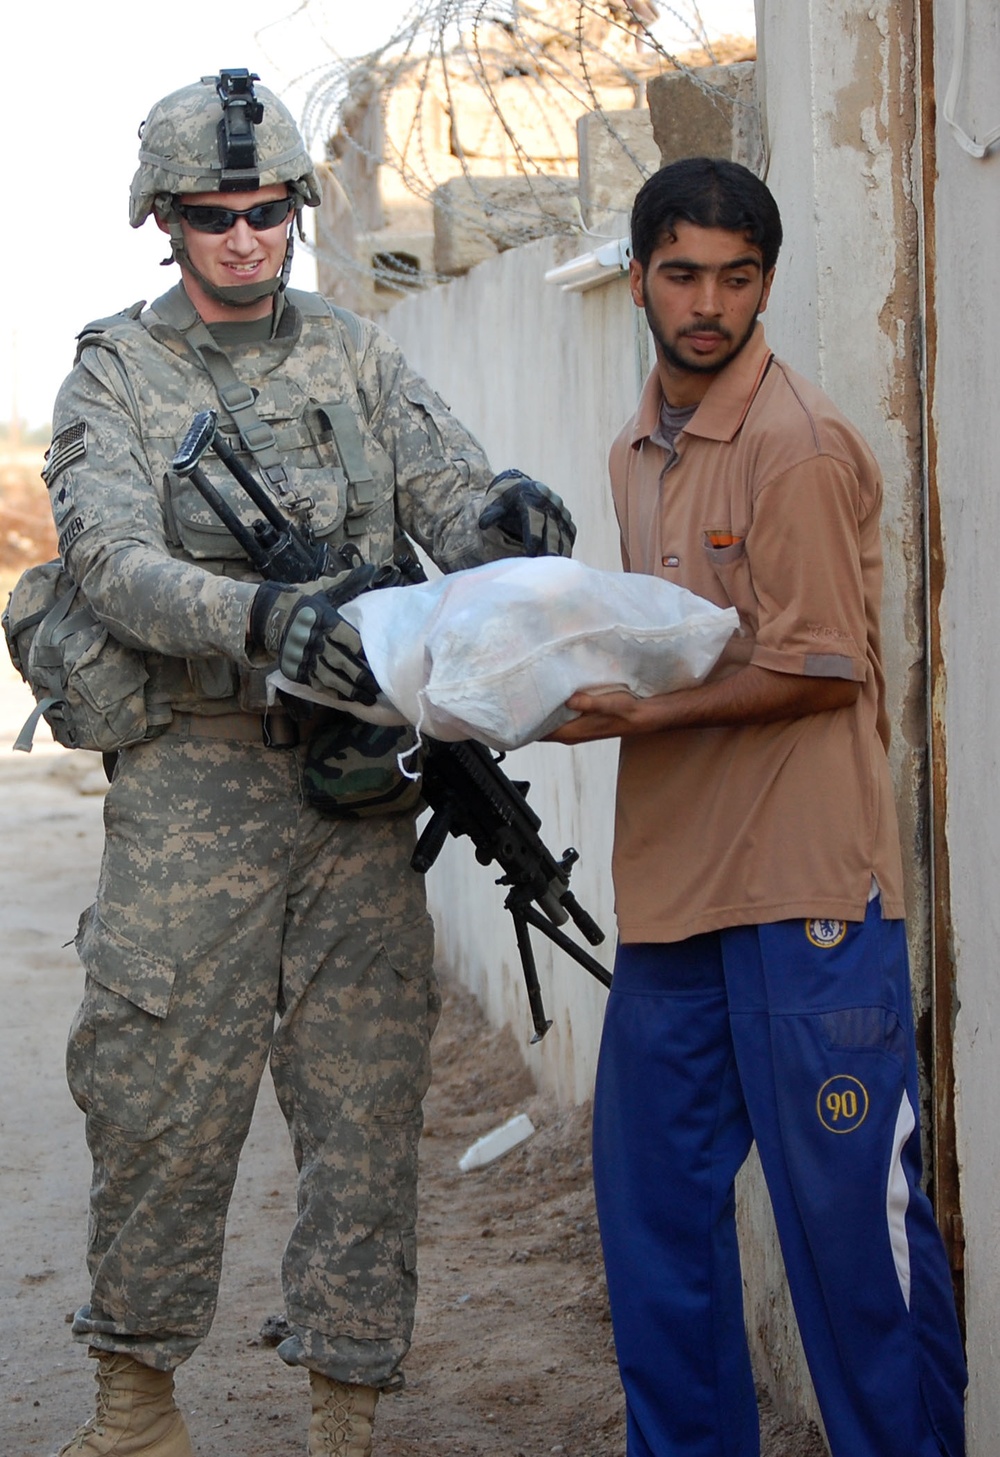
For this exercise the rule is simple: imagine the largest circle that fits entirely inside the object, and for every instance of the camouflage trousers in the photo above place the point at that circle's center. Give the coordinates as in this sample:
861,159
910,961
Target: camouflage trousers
232,924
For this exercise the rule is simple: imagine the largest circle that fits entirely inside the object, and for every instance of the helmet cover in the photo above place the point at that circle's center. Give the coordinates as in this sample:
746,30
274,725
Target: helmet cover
182,148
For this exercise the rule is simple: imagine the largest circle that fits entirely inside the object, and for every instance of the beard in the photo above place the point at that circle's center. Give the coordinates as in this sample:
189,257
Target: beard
677,361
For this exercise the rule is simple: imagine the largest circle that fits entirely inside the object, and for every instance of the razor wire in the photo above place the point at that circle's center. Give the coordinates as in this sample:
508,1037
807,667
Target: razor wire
571,57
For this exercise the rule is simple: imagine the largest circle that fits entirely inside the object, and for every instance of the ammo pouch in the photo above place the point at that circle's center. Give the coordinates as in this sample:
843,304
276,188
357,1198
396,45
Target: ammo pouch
351,768
88,686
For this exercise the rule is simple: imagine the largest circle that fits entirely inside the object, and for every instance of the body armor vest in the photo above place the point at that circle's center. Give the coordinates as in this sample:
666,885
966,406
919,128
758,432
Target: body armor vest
291,408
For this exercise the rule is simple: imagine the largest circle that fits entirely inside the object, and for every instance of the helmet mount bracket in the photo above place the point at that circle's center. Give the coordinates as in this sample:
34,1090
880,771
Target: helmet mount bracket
241,112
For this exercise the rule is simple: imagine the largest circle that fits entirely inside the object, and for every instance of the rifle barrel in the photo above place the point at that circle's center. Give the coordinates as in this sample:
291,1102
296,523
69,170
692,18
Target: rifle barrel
243,534
253,488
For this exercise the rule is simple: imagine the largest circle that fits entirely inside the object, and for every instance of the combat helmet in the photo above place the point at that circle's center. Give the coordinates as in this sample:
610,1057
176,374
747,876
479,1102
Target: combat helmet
221,134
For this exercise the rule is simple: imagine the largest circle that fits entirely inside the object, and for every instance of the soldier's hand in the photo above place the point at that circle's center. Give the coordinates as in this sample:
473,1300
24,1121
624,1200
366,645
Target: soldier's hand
321,649
313,644
531,519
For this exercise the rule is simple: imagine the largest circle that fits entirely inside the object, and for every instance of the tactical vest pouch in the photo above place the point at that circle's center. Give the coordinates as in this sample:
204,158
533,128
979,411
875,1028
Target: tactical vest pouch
89,687
351,768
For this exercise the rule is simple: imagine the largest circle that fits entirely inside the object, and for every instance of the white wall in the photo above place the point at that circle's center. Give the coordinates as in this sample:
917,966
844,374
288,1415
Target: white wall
967,422
545,380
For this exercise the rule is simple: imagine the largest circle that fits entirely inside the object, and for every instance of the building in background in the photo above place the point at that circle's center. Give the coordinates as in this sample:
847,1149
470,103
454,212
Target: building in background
470,134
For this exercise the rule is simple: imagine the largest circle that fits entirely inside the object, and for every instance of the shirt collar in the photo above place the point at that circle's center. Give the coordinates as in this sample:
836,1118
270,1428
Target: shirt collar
729,396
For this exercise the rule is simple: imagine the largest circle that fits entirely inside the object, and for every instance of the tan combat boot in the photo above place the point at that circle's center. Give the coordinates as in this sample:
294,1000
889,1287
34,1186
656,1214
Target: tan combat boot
342,1417
135,1416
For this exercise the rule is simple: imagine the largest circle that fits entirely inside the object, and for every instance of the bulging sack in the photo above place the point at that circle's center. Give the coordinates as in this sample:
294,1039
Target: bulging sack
88,686
493,653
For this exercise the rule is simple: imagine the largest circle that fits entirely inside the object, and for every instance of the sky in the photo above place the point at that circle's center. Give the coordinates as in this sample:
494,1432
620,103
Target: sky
78,81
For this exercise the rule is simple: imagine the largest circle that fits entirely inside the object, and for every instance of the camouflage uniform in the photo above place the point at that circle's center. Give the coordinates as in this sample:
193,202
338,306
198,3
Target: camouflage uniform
233,922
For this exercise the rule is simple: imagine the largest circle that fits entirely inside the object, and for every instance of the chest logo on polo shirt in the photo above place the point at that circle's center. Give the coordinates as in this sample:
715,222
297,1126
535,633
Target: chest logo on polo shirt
825,934
842,1104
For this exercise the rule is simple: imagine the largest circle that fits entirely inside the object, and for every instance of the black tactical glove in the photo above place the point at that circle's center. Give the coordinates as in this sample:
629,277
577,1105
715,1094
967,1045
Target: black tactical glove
314,645
531,519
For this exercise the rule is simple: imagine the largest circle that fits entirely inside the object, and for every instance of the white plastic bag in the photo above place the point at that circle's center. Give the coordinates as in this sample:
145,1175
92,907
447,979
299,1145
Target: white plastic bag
494,652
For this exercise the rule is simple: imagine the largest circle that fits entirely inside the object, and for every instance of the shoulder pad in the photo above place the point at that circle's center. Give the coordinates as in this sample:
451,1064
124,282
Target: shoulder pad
91,333
351,322
101,326
316,305
307,302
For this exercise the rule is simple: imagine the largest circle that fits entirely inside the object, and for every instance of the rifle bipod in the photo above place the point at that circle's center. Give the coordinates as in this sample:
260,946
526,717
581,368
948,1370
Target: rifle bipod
524,914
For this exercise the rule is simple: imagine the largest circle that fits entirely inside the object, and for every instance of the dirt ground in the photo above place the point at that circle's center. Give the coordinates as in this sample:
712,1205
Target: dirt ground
512,1354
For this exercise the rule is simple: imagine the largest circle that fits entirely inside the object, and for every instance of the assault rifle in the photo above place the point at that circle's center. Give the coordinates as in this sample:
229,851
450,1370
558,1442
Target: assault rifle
467,791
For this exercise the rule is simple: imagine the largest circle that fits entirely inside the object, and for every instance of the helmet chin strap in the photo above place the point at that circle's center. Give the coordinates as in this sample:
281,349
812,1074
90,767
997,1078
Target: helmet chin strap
236,295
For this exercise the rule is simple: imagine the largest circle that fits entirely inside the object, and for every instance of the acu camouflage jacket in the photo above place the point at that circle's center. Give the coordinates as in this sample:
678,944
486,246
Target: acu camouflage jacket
365,447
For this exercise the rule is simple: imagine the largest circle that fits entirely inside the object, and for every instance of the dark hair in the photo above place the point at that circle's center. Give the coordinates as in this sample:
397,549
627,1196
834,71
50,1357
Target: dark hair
711,193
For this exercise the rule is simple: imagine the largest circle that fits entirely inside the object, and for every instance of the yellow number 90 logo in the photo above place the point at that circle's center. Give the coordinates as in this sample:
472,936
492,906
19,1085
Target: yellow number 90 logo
842,1104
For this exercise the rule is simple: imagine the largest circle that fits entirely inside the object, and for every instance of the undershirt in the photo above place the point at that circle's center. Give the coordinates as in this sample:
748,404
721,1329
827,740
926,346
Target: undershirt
249,331
672,420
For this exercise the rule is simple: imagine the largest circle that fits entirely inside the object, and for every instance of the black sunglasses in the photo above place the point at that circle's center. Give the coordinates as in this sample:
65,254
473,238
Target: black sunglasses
206,219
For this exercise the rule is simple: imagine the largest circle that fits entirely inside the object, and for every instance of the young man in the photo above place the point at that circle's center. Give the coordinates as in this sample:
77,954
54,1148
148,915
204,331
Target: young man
236,923
761,989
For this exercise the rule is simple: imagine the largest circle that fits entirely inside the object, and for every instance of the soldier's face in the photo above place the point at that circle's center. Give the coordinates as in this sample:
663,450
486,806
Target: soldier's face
241,254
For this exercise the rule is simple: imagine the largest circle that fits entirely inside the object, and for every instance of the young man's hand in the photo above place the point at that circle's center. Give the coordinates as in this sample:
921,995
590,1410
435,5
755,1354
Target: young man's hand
751,695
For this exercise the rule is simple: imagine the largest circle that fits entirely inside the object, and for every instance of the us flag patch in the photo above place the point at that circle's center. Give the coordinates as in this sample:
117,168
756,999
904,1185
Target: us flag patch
69,445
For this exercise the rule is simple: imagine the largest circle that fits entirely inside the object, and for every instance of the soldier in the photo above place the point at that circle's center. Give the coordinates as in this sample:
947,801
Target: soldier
234,922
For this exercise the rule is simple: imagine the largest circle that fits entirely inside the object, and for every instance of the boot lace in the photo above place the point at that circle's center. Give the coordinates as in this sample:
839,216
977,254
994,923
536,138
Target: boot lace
94,1427
336,1413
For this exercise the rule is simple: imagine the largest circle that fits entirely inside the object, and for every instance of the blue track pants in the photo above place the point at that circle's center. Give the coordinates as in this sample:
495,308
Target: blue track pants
797,1035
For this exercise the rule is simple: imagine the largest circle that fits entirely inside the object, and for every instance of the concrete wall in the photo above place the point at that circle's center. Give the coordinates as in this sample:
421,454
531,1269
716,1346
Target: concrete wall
965,343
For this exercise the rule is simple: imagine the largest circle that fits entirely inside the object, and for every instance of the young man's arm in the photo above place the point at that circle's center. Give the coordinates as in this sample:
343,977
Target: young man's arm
749,696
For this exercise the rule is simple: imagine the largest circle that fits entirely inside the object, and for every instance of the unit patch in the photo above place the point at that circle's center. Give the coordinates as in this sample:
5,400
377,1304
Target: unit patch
842,1104
825,934
69,445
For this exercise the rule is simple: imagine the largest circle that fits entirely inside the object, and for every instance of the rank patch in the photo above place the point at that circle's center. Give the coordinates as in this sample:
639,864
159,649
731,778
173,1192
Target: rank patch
62,504
69,445
825,934
842,1104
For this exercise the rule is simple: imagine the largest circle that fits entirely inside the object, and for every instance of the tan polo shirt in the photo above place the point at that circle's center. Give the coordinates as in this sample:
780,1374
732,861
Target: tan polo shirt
772,505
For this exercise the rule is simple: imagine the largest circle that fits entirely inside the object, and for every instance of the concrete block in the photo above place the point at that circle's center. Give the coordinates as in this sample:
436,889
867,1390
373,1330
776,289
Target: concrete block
618,151
748,122
397,258
708,112
478,217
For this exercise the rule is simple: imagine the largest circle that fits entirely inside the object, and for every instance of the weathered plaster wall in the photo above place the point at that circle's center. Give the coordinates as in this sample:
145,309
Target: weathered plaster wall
966,423
840,111
837,85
